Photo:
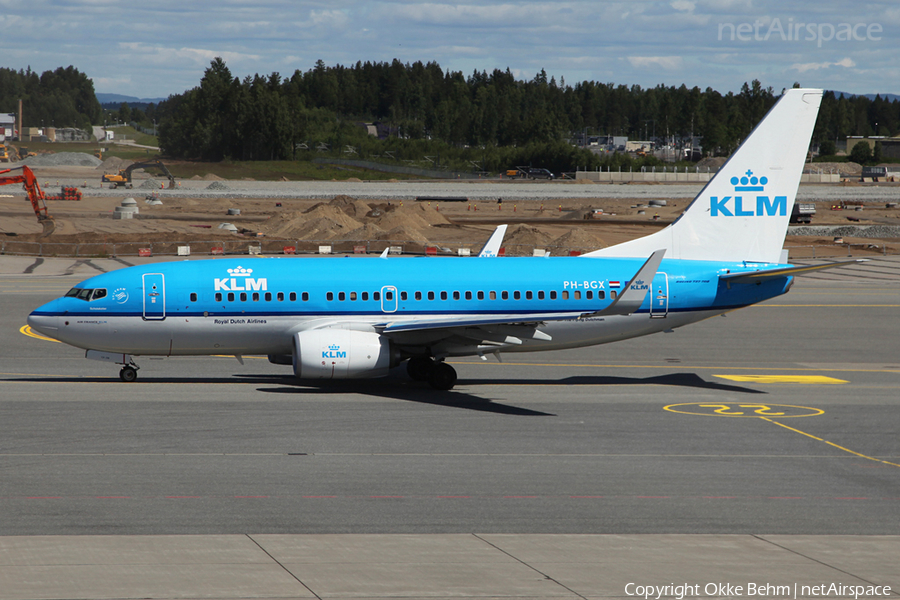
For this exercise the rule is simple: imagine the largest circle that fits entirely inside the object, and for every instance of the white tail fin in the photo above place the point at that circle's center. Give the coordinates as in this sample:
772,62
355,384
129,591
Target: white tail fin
742,213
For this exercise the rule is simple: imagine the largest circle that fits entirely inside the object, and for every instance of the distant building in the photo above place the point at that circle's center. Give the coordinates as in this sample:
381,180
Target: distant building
8,125
890,146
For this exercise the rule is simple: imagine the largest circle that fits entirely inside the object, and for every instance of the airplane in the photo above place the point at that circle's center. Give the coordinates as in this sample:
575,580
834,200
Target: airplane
349,318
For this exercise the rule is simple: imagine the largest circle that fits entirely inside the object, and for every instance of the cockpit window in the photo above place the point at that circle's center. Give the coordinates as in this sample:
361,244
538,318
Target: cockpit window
86,294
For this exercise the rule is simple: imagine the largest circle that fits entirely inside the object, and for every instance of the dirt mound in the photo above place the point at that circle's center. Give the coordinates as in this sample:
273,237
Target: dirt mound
525,235
350,206
62,159
579,239
404,234
321,222
369,231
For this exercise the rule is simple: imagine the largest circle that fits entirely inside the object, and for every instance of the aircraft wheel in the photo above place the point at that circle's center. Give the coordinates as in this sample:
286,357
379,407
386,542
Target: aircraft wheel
443,377
128,374
420,367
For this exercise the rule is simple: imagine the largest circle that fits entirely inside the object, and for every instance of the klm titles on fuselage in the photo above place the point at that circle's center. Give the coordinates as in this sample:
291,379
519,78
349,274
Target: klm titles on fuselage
734,206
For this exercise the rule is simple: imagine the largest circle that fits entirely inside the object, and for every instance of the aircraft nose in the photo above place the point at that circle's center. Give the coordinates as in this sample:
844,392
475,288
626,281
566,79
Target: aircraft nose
45,320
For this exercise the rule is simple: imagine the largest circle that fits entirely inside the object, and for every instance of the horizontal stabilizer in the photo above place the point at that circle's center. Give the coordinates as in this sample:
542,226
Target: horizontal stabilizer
762,274
631,299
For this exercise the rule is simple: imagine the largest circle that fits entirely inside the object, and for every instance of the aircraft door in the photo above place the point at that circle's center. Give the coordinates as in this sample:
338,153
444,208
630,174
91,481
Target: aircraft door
154,297
659,297
389,299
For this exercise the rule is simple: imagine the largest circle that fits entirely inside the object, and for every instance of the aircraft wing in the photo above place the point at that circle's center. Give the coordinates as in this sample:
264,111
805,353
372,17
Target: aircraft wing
762,274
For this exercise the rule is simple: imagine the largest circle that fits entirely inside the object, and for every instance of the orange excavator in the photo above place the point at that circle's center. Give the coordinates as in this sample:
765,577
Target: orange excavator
35,195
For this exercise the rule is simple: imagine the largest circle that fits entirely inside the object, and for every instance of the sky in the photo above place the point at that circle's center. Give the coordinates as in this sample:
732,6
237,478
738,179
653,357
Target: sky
159,48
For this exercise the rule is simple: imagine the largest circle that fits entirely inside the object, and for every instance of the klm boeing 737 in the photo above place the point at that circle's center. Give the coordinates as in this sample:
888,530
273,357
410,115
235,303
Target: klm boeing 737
343,318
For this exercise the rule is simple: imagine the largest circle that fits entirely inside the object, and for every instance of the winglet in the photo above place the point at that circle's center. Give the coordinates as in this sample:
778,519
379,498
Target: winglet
492,246
631,299
385,253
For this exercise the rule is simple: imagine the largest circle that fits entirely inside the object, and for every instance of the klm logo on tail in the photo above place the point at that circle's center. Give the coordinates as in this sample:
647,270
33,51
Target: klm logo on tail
739,206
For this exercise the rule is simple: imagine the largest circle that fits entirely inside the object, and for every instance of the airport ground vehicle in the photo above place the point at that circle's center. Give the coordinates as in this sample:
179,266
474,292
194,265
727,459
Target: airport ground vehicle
123,177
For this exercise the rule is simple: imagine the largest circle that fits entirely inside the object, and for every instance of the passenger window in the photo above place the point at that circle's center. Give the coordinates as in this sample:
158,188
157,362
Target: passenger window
517,295
268,296
456,295
443,295
293,296
256,296
565,295
231,296
280,296
193,296
376,296
481,295
305,296
589,295
493,295
468,295
431,295
418,295
540,295
342,296
505,295
329,296
613,294
389,295
601,295
243,296
576,295
528,295
365,296
352,296
218,296
553,295
403,295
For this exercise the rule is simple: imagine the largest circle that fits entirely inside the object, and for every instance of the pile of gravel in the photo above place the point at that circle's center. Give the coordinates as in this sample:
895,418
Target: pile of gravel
217,185
860,231
63,159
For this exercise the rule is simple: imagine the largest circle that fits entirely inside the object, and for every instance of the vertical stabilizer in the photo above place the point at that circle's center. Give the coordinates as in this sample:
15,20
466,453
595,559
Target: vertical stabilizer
742,213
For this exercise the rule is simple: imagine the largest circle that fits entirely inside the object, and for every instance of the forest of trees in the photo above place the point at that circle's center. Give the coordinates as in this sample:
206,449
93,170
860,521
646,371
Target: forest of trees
265,117
492,120
61,98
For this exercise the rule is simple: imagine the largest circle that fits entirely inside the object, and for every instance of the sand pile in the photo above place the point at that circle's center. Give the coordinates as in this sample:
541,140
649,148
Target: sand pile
525,235
579,239
404,234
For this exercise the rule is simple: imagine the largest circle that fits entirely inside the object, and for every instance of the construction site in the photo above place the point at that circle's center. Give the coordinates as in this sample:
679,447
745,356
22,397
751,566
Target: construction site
81,206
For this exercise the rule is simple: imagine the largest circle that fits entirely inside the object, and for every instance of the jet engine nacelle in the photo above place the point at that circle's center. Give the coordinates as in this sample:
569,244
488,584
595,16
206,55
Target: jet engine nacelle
342,354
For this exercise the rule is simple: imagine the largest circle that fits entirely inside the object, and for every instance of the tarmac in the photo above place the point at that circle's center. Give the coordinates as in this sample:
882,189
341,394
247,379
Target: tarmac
615,471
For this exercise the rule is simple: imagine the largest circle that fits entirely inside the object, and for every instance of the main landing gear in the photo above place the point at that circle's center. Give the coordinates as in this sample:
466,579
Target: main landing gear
438,374
128,373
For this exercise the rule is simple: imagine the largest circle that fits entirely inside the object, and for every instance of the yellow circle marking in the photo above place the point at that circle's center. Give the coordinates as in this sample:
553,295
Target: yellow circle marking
806,379
27,330
742,409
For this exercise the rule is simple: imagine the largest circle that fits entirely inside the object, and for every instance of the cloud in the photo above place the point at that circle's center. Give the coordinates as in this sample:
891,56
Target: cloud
847,63
669,63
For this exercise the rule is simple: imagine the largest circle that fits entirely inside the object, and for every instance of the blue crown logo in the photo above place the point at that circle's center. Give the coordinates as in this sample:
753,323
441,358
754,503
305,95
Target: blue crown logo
240,272
749,182
334,347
